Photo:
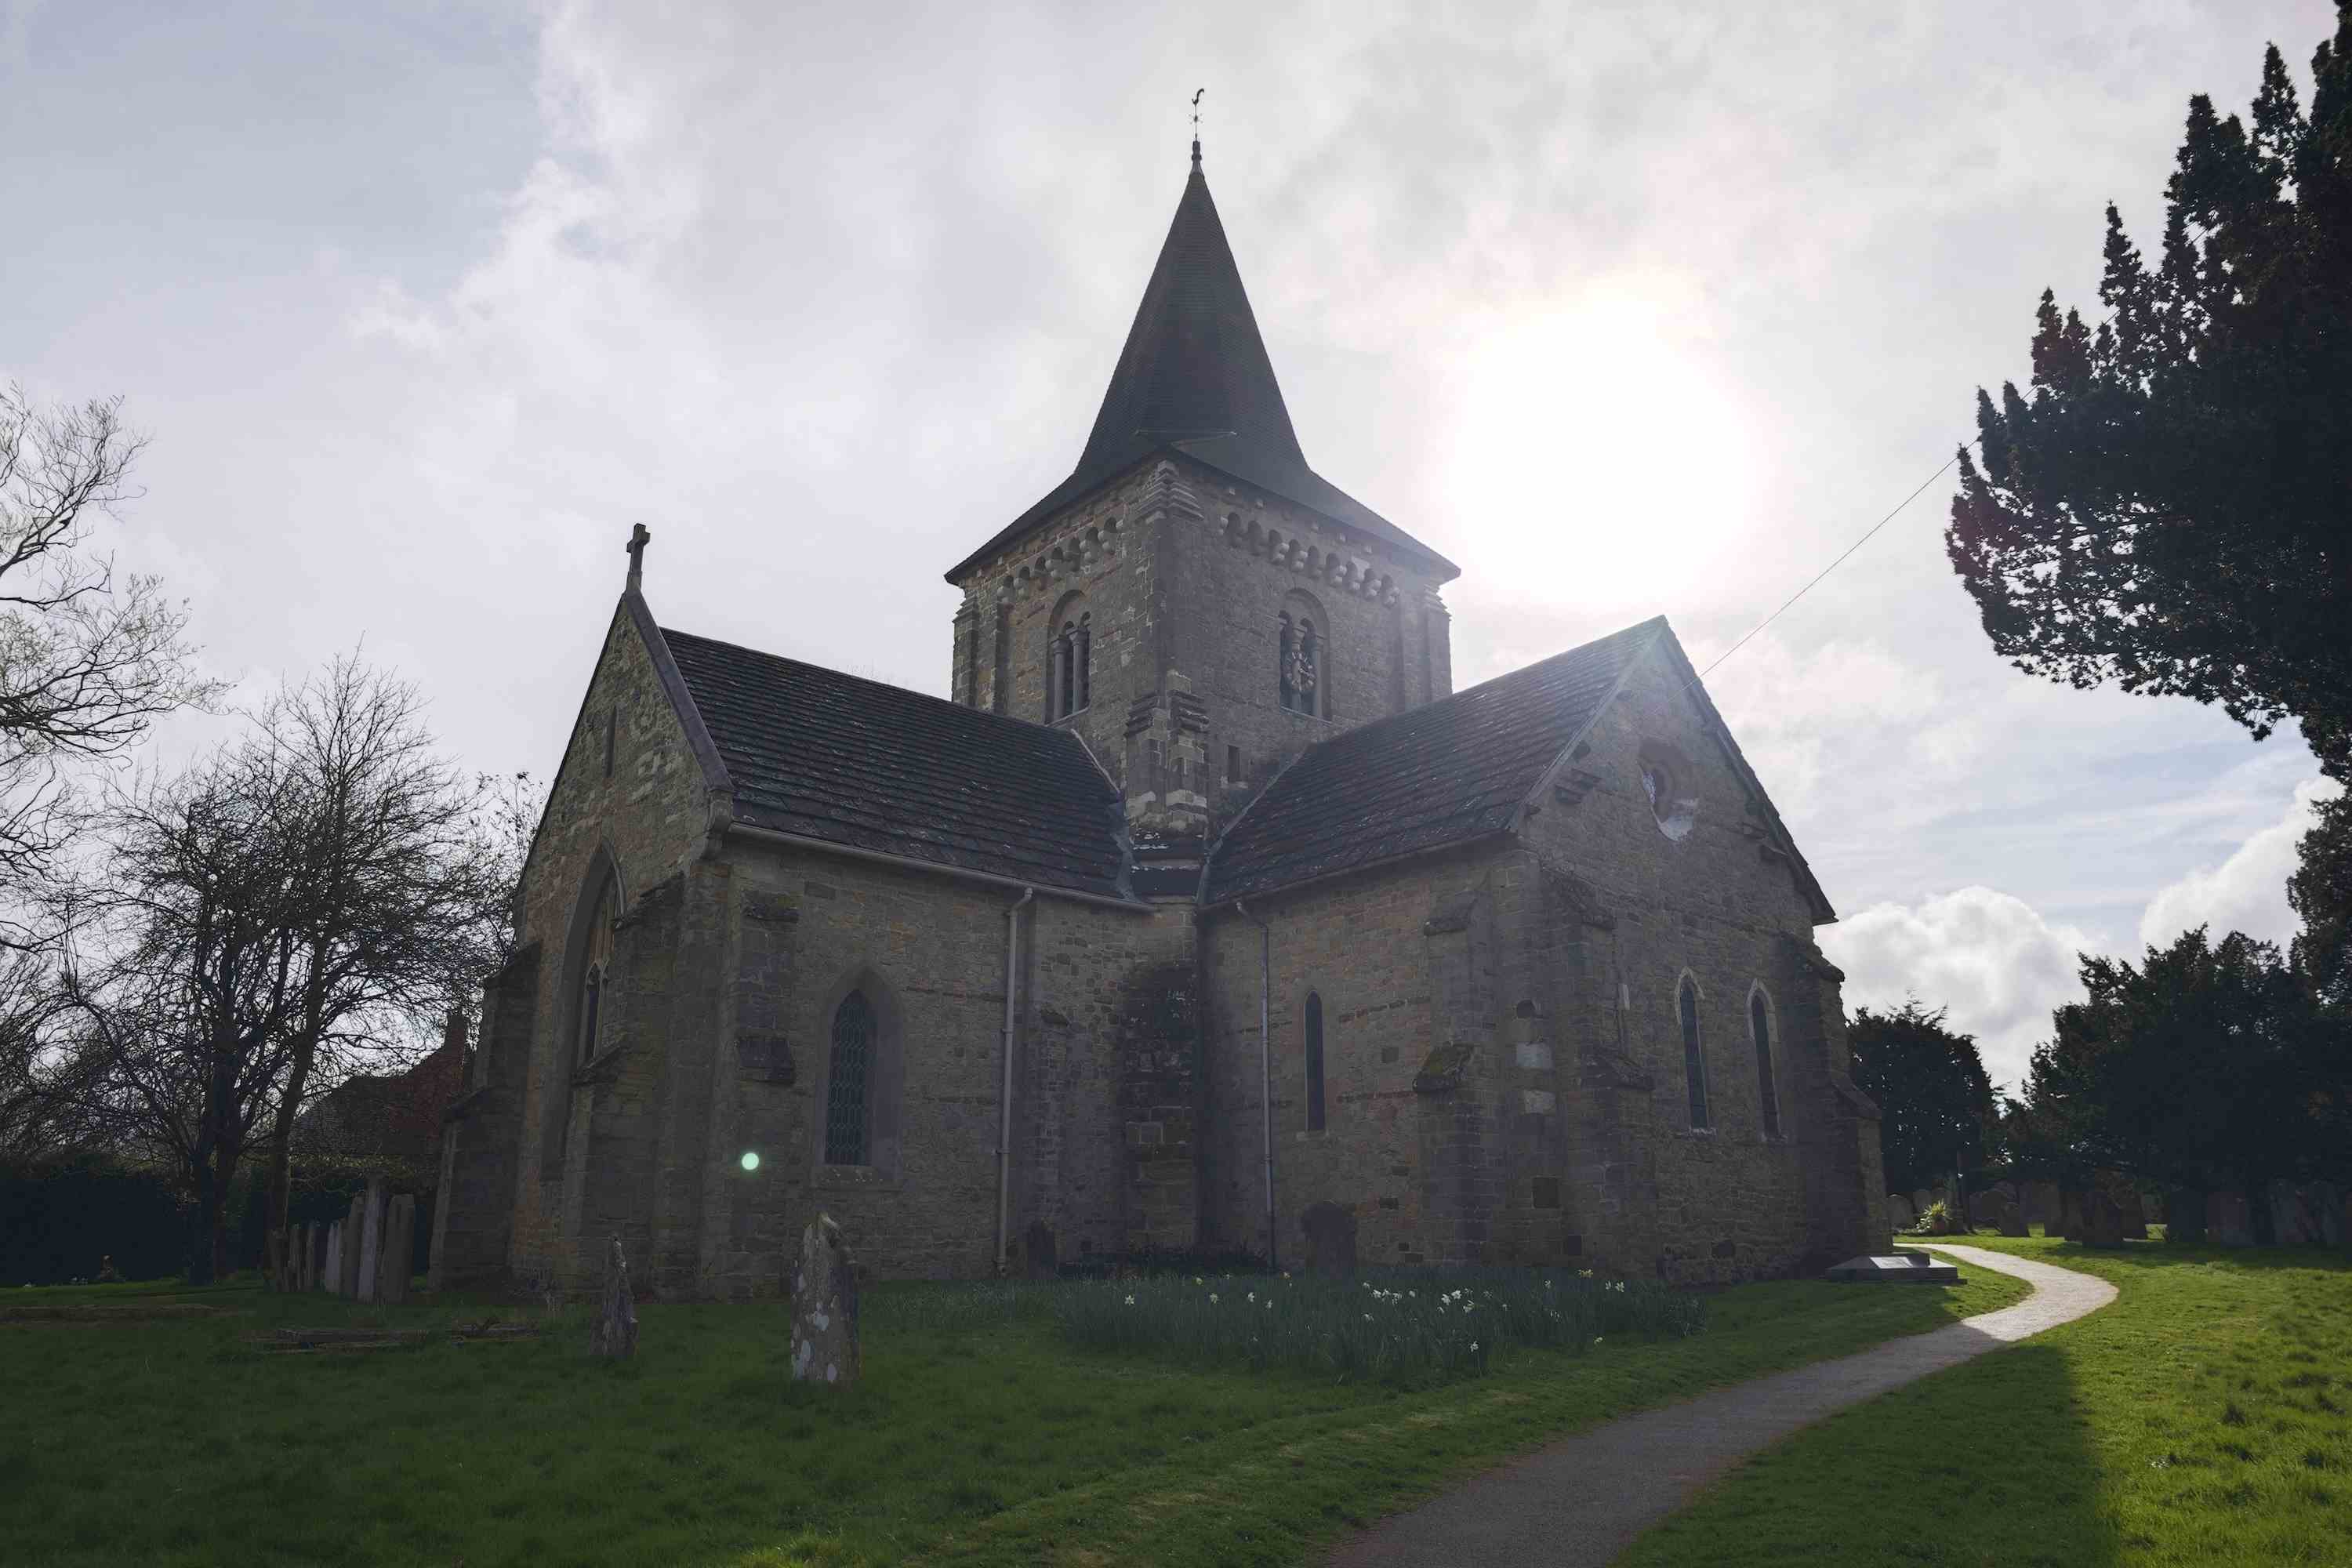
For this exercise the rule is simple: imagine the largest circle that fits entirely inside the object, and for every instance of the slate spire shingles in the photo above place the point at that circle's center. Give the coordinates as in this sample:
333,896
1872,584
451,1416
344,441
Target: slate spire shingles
1195,378
828,756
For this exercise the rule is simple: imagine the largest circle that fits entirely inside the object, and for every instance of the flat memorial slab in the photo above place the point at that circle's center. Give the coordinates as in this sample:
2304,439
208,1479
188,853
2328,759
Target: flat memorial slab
1899,1268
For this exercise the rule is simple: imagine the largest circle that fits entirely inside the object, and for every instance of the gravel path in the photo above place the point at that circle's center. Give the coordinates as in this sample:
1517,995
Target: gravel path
1580,1502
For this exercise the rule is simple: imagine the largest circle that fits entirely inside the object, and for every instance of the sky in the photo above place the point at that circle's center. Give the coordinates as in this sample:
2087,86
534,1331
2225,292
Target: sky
1626,309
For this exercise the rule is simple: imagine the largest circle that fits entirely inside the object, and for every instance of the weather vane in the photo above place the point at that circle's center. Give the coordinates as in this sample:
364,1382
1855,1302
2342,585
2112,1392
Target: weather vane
1196,126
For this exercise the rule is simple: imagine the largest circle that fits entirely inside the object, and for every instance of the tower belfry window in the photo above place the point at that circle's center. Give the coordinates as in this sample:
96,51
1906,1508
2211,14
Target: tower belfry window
1069,662
1301,664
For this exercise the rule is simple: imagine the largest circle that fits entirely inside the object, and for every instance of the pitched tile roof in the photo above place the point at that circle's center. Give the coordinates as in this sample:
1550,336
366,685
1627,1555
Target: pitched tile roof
1195,378
857,763
1445,772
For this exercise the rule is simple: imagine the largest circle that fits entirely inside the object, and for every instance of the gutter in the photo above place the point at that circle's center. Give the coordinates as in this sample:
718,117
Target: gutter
1005,1095
882,858
1265,1068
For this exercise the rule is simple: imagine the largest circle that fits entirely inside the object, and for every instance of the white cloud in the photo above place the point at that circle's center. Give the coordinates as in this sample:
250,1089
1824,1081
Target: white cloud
2247,892
1988,957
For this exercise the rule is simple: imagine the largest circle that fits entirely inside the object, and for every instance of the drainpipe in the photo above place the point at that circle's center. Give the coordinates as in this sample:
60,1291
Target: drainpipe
1005,1095
1266,1067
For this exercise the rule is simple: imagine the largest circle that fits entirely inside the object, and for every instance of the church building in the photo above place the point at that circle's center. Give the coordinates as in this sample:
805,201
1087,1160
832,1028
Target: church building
1203,914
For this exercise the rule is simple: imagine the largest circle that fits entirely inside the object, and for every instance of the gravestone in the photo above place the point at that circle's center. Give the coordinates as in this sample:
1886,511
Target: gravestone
824,1308
2295,1215
1995,1211
1037,1250
298,1256
330,1277
1922,1200
347,1282
1899,1214
2103,1220
2041,1204
2330,1202
1330,1233
616,1330
318,1257
2228,1221
399,1251
2013,1221
2184,1217
371,1238
2070,1214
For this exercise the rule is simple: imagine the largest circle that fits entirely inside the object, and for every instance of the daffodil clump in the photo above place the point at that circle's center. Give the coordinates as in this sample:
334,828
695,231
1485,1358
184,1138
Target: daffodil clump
1394,1325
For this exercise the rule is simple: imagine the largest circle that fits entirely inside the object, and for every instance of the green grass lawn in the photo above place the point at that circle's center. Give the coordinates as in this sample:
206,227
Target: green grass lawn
972,1440
2204,1418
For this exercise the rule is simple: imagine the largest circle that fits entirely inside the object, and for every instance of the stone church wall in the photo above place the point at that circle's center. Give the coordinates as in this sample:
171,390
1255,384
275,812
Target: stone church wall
1650,1192
649,817
1358,945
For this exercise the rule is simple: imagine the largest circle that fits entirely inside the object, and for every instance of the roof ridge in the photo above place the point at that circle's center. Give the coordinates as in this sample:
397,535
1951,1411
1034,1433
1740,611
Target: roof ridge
890,686
1438,704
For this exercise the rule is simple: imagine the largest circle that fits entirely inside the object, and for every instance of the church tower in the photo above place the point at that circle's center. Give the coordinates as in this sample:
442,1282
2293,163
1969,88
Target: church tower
1194,600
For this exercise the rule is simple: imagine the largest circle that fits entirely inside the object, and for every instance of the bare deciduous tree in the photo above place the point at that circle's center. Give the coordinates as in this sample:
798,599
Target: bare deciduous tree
87,661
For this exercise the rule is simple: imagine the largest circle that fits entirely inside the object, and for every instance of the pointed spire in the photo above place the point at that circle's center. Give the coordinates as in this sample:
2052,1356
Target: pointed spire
1194,377
1196,129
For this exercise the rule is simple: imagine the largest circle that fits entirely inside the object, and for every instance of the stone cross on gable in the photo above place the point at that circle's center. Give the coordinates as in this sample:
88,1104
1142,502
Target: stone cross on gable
638,535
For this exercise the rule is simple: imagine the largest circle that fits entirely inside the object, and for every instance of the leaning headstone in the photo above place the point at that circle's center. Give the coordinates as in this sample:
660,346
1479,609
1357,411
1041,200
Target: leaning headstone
370,1239
2228,1221
617,1330
2103,1220
1330,1240
824,1307
1037,1250
399,1251
1898,1212
348,1284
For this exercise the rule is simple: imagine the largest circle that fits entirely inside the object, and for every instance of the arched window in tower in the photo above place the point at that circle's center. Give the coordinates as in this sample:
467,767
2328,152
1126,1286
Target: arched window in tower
595,975
1759,1024
1301,656
1069,659
1283,657
848,1082
1694,1061
1314,1062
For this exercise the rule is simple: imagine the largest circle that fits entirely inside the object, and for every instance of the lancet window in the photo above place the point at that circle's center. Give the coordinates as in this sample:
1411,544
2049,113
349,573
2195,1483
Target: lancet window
849,1081
1759,1024
595,975
1693,1059
1314,1062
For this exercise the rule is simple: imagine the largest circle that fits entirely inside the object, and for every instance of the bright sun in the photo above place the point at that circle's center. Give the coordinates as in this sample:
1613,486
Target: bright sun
1593,441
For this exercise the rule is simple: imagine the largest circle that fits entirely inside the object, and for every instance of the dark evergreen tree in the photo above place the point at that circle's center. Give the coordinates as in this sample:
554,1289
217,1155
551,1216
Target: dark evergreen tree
2171,509
1934,1099
2209,1065
2321,892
